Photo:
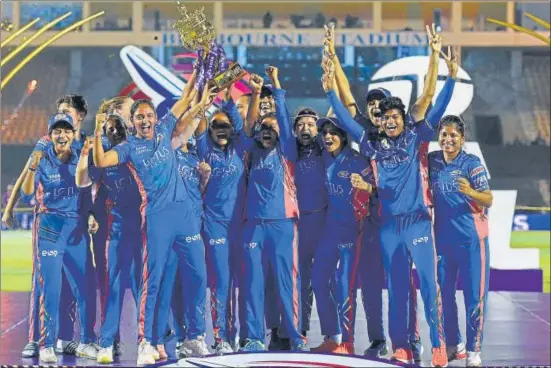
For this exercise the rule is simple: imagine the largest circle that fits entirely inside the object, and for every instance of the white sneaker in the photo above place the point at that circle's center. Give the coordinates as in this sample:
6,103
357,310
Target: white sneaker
196,348
223,347
179,352
66,347
146,353
457,352
473,359
105,355
47,355
31,350
89,351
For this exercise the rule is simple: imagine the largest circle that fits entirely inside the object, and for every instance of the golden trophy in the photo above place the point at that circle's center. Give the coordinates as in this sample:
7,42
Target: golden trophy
197,34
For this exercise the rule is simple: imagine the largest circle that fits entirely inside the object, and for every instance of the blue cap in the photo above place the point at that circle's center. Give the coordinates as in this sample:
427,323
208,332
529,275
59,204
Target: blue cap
329,119
378,93
266,90
60,118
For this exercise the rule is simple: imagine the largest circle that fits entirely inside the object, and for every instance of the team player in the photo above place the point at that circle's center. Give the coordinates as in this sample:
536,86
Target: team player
270,234
77,107
372,275
61,233
406,229
122,249
312,203
224,147
168,221
462,196
349,181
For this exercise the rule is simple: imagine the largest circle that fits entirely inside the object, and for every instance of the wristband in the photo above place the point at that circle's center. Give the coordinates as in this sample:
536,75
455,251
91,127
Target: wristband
33,169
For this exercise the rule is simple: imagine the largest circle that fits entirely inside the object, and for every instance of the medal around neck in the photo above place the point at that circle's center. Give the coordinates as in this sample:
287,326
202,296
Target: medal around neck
197,34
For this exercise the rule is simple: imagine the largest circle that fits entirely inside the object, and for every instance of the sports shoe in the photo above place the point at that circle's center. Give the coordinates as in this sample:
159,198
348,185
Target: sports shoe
196,348
179,352
299,346
403,355
117,348
457,352
66,347
235,345
162,352
327,346
47,355
89,351
474,359
222,347
105,355
377,349
146,353
439,357
252,346
417,349
31,350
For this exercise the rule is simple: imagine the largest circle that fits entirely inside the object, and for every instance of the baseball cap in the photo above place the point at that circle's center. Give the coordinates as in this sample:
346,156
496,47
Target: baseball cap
60,118
328,119
378,93
266,90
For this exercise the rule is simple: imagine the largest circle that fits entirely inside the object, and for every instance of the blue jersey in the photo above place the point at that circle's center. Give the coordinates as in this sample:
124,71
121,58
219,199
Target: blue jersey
272,193
310,178
347,204
117,184
154,167
55,186
401,168
458,219
187,167
226,191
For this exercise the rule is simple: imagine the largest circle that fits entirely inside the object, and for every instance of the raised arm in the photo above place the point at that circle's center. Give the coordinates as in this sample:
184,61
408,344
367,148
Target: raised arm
82,178
28,188
207,97
445,95
229,106
343,115
255,83
103,159
419,109
288,143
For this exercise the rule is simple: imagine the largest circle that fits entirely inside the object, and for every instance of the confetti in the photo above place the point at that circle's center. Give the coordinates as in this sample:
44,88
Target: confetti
7,25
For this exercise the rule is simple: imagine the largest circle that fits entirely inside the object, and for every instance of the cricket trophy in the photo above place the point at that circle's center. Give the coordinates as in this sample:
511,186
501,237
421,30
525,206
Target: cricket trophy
198,34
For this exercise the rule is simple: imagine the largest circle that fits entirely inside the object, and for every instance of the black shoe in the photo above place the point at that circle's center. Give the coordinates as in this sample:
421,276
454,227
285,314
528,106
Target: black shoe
285,344
275,341
377,349
304,333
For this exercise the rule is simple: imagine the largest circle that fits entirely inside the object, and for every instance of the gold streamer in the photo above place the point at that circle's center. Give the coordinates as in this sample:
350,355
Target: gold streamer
36,51
18,32
523,29
539,21
12,54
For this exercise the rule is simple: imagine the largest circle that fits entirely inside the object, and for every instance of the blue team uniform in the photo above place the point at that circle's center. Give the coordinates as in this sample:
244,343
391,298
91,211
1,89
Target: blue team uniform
168,222
461,232
121,208
62,242
340,244
270,235
67,310
401,173
224,201
312,204
189,174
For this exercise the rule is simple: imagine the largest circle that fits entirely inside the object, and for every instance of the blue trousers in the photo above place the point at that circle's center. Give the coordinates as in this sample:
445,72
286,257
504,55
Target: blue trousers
404,239
223,245
339,249
175,227
63,244
372,275
122,249
178,309
271,246
472,262
166,295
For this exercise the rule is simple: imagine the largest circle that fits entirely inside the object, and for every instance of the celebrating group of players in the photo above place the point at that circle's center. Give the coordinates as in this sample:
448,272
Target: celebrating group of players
282,208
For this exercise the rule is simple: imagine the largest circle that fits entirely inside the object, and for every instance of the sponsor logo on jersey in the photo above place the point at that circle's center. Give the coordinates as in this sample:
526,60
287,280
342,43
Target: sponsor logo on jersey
424,239
343,174
193,238
477,170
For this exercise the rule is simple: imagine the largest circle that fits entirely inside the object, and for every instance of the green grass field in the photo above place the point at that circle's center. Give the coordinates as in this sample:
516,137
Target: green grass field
16,257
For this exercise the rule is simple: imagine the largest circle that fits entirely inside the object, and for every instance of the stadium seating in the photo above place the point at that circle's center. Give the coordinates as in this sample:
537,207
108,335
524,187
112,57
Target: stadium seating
25,127
537,77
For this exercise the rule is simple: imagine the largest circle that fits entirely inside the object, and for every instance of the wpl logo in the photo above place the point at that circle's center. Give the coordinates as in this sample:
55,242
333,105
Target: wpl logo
405,78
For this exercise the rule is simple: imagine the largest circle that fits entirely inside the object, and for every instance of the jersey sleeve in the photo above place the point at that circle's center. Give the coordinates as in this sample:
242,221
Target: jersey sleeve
366,171
123,151
93,172
27,198
478,177
230,107
42,143
287,140
243,142
349,125
168,121
202,144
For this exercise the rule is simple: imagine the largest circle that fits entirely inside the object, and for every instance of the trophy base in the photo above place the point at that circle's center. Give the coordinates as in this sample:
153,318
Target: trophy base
227,77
